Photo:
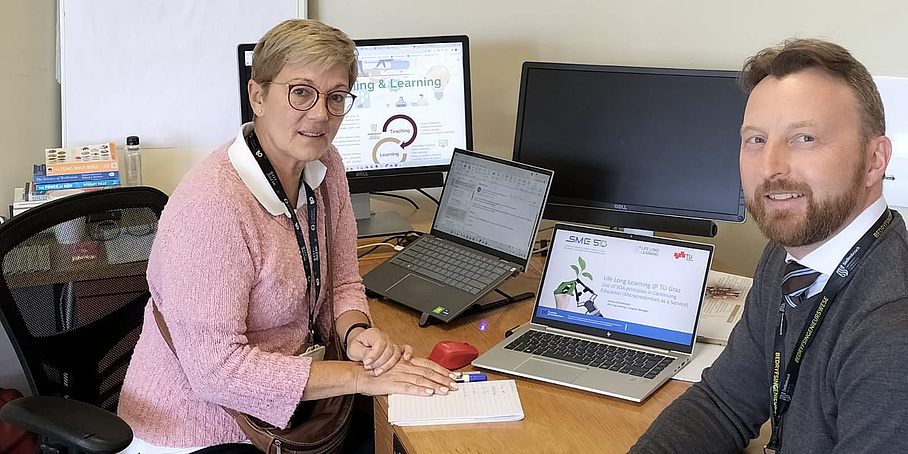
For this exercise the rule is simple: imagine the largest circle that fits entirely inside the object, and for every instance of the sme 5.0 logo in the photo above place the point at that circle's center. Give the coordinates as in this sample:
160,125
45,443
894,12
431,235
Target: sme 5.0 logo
586,241
681,255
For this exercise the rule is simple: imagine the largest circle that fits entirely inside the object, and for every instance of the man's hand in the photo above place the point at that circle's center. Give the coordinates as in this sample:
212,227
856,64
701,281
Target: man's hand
417,376
375,350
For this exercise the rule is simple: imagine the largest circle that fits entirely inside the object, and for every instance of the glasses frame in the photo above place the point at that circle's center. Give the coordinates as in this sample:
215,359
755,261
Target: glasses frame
110,229
318,95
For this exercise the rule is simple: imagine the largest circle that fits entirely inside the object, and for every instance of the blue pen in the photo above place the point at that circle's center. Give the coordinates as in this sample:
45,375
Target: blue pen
468,377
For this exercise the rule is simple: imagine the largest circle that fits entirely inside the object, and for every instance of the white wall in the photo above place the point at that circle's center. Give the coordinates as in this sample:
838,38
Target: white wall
712,34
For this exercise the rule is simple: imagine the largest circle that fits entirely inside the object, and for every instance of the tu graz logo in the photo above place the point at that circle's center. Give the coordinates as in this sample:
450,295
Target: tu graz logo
684,255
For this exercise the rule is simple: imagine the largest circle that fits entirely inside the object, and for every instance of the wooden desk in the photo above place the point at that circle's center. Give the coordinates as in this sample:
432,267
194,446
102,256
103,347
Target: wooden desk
558,419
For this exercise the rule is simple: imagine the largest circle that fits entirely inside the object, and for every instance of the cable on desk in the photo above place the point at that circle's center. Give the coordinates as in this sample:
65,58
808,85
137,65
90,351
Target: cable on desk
396,247
423,192
402,240
396,196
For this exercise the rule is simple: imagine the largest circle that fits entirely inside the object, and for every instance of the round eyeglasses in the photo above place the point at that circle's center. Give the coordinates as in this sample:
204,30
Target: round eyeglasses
134,222
303,97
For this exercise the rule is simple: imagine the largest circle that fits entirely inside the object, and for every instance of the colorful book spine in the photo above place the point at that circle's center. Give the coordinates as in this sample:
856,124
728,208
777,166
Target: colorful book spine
77,185
82,167
41,177
79,160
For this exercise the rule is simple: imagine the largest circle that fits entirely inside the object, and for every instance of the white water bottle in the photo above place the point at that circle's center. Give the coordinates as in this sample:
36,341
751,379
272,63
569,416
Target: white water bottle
133,162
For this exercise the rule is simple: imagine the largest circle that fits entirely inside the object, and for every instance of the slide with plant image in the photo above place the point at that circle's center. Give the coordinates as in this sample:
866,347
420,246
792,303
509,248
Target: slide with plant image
624,285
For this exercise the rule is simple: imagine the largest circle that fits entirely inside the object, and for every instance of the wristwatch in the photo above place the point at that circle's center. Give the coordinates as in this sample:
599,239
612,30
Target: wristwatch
355,325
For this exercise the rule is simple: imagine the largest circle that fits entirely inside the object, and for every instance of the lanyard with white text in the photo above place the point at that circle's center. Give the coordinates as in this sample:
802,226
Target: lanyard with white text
783,383
314,272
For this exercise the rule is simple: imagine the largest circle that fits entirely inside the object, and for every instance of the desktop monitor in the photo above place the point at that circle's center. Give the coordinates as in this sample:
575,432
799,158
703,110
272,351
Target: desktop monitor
412,109
643,148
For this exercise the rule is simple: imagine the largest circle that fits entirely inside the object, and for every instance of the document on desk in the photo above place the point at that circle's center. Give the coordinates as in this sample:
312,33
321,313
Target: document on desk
722,307
487,401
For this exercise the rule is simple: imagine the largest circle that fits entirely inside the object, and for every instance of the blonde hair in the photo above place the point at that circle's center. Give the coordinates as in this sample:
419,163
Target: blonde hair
302,41
796,55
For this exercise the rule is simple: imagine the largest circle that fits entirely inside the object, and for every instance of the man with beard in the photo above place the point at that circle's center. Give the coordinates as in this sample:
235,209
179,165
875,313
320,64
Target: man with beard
821,348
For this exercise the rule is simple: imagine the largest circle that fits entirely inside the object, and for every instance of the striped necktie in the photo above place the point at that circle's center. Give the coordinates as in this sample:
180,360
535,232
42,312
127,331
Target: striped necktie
797,279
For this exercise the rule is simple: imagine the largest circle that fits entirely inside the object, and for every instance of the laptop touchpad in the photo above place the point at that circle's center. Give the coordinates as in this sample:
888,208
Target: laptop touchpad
549,369
413,285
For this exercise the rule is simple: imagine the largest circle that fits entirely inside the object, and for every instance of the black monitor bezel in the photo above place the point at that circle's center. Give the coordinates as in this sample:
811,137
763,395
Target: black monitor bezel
623,215
245,107
429,174
396,178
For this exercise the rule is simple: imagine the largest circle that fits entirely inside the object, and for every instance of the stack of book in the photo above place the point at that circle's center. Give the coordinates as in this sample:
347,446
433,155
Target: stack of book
78,167
68,171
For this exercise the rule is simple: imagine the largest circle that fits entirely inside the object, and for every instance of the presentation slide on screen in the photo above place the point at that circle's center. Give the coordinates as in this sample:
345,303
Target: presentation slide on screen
493,204
621,285
409,109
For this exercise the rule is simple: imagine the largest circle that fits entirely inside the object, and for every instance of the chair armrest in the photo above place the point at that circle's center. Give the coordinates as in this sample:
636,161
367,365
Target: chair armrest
69,422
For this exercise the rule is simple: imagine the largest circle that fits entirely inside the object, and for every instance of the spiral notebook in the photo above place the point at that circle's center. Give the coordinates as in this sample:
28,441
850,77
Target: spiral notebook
487,401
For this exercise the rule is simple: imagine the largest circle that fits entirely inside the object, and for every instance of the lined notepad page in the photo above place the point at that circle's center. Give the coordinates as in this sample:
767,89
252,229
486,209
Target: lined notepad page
486,401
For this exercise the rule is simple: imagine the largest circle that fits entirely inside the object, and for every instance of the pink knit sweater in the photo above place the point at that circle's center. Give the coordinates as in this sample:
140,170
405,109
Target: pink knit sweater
228,278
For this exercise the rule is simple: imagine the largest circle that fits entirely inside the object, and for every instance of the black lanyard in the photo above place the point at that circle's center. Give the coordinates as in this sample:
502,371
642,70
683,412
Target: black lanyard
314,271
783,383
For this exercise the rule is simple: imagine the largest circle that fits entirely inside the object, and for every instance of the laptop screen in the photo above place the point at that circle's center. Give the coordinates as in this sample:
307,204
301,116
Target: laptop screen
492,203
634,288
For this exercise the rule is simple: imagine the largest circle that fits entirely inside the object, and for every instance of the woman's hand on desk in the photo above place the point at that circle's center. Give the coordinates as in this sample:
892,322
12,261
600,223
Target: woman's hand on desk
375,350
417,376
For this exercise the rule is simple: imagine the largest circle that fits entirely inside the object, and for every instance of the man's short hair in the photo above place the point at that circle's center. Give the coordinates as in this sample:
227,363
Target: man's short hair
796,55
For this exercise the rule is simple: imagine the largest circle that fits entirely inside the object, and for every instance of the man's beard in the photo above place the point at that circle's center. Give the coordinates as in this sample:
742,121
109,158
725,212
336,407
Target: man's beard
792,228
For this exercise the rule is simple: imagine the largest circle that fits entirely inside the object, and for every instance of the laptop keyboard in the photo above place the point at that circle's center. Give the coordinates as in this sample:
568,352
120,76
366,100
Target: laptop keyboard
593,354
446,262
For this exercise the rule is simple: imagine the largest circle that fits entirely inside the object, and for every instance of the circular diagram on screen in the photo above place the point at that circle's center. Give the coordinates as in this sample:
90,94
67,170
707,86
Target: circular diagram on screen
392,148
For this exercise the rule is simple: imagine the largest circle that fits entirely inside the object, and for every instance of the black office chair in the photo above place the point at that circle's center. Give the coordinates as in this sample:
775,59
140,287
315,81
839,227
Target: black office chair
72,296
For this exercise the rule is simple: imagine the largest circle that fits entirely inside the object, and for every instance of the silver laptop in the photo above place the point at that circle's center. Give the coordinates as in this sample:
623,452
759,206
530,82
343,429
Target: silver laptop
483,234
616,313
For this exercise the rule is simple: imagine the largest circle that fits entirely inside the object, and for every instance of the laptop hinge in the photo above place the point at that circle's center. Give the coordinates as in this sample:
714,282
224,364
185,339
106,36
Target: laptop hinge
630,345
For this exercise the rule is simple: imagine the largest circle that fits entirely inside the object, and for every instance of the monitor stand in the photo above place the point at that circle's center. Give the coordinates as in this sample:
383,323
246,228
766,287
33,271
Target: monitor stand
639,232
383,223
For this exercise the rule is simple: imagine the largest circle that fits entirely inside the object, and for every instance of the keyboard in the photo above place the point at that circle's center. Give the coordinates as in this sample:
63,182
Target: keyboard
589,353
452,264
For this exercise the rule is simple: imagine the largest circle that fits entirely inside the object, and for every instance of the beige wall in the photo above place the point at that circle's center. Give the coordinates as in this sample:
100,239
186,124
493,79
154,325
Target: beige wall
30,106
29,114
713,34
694,33
700,33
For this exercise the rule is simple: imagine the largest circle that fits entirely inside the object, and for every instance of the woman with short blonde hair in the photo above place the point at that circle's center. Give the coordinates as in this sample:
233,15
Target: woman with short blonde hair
241,292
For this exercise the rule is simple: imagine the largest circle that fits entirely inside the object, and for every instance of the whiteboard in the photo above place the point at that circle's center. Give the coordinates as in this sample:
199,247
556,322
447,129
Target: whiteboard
165,71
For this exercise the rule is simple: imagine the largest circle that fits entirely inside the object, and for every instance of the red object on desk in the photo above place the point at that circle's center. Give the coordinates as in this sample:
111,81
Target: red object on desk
453,355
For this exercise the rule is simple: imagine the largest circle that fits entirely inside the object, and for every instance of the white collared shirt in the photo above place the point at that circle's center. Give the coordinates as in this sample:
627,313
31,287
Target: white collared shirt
251,174
826,258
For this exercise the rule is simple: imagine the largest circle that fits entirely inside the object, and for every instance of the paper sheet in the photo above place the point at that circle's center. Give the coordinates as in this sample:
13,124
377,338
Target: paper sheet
722,306
704,356
487,401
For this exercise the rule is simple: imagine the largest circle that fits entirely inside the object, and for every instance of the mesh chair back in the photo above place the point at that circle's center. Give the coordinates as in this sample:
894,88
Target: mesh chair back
73,289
